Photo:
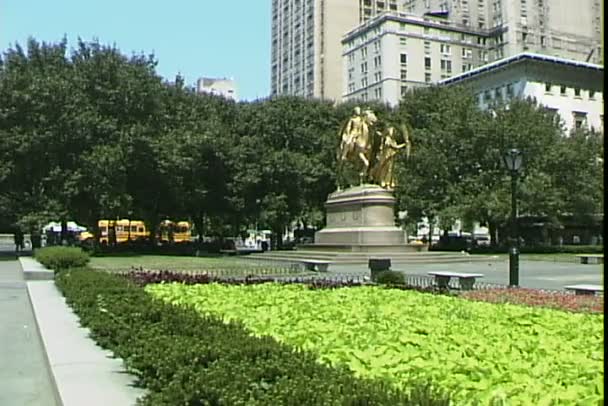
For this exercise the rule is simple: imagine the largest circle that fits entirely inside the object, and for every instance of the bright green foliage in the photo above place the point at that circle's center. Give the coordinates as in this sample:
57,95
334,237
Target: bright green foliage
181,358
482,352
60,258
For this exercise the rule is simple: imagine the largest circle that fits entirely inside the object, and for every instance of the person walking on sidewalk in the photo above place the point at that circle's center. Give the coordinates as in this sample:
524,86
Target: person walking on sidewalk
18,241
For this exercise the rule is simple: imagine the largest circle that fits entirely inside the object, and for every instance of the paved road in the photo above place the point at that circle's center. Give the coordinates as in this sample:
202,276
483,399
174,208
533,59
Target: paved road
532,274
24,374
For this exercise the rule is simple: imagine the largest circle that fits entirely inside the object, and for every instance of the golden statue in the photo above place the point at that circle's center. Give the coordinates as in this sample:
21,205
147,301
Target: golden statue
372,152
355,145
382,171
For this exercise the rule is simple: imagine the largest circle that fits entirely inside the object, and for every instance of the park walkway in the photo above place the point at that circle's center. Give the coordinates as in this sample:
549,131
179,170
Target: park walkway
46,357
25,377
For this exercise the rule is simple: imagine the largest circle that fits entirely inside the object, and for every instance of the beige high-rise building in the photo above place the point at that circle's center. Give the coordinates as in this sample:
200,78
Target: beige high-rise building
563,28
306,48
392,53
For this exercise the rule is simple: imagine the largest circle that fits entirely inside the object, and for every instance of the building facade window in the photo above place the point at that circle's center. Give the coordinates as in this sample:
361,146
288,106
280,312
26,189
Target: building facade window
446,66
403,59
580,119
427,63
427,77
377,61
548,87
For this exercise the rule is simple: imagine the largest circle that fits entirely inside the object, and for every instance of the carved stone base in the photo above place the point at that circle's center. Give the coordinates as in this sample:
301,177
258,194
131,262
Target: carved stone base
361,218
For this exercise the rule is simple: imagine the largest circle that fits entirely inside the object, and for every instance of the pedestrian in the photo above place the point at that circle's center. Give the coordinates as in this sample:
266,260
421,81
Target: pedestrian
18,241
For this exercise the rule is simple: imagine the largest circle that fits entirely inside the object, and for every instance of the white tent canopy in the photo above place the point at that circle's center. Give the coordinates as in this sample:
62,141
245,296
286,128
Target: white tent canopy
55,227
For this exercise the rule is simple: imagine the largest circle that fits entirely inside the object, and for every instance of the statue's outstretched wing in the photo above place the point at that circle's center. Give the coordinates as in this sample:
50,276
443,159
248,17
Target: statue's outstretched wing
405,131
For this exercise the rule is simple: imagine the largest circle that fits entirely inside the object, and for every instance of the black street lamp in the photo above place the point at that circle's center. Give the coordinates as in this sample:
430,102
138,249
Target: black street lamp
513,160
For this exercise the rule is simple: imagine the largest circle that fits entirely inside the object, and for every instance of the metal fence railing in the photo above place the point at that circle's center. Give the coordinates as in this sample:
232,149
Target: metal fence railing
296,274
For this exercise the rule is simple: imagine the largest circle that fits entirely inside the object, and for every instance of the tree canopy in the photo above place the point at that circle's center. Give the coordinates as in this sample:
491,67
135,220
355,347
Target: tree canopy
90,133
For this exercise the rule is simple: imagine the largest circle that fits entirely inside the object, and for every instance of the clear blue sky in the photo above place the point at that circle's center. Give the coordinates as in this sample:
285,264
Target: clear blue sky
211,38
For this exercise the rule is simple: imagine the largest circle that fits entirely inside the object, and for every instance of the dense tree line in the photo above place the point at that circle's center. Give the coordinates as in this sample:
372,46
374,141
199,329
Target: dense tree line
90,133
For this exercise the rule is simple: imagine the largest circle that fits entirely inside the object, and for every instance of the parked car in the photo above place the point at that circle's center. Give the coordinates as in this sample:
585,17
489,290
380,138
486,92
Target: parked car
482,240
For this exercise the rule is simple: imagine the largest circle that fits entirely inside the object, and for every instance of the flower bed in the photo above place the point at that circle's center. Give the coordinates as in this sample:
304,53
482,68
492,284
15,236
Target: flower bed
481,352
535,297
182,358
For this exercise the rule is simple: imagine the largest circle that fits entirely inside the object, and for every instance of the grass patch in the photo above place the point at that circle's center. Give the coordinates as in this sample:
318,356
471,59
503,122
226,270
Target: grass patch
223,267
163,262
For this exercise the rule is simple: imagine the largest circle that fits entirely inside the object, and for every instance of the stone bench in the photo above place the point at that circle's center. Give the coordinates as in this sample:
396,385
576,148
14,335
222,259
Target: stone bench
585,289
315,265
591,258
465,280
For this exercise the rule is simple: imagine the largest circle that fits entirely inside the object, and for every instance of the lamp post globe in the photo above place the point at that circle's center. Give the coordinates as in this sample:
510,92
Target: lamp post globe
513,160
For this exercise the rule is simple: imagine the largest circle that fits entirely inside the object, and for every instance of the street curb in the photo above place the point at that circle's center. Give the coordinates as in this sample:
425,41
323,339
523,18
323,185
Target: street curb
56,394
82,372
34,270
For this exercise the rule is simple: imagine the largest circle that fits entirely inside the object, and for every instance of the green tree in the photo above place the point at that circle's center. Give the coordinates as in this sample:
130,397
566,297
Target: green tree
284,160
445,122
576,171
532,129
39,147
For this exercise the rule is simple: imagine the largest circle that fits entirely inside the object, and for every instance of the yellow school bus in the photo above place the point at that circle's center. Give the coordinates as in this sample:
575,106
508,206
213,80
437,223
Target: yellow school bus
125,230
170,231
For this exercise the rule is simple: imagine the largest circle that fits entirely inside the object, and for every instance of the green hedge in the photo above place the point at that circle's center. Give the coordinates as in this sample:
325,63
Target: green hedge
390,278
182,358
60,258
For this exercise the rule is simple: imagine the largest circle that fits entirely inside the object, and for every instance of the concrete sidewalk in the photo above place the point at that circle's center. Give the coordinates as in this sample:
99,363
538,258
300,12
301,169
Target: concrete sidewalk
25,377
532,274
68,367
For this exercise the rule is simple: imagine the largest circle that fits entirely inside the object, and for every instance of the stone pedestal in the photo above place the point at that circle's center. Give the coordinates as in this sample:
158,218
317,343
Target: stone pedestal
361,218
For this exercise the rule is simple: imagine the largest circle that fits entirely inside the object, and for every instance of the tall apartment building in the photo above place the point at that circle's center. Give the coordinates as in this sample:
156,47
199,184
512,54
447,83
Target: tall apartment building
563,28
393,52
306,49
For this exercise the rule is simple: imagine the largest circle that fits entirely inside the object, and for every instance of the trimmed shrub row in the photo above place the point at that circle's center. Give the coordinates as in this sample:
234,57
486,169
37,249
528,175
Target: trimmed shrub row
60,258
182,358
